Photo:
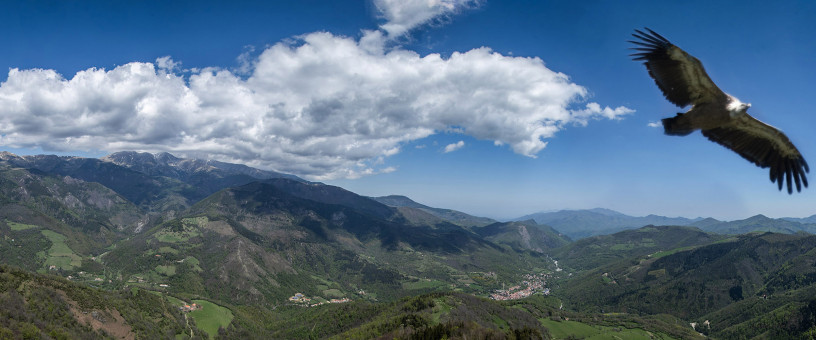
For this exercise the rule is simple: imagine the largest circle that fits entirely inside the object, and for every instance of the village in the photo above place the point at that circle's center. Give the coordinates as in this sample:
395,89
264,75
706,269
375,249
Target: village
534,283
301,299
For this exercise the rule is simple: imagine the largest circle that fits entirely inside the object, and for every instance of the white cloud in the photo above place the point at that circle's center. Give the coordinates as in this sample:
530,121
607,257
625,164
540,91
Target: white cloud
322,106
167,63
655,124
403,15
455,146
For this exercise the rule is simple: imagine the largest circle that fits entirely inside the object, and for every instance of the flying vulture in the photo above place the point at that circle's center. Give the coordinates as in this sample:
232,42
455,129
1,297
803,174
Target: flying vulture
721,117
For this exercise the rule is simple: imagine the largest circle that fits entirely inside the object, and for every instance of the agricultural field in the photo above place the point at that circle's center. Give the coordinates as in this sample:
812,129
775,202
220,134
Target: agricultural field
211,316
20,226
60,255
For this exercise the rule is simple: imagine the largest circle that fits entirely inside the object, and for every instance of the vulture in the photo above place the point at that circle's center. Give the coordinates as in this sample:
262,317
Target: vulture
720,117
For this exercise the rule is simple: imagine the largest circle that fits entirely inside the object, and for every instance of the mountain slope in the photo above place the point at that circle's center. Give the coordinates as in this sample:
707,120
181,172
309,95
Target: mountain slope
709,282
58,223
38,306
452,315
601,250
523,235
448,215
266,241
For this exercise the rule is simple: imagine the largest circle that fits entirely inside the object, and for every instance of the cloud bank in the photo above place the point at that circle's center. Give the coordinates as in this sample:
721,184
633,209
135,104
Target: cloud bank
320,106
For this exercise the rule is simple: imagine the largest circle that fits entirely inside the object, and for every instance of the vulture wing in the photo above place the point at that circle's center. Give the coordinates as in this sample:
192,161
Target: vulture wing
679,75
764,146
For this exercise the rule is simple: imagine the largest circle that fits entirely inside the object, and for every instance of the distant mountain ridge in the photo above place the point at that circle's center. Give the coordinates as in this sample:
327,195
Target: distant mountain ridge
757,223
578,224
809,219
166,164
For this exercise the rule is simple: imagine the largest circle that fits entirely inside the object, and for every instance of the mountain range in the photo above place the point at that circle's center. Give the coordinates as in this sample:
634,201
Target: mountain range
240,234
247,241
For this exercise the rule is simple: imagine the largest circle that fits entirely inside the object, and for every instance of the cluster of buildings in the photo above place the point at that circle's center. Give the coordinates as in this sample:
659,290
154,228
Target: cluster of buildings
190,307
300,298
533,283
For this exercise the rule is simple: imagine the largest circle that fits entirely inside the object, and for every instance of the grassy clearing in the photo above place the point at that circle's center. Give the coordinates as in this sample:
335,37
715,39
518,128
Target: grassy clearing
166,270
193,263
60,255
181,231
423,284
211,316
167,250
19,226
441,307
200,221
566,329
175,301
660,254
176,237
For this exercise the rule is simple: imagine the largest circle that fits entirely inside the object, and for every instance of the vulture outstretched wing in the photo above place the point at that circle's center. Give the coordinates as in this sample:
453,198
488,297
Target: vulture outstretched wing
679,75
764,146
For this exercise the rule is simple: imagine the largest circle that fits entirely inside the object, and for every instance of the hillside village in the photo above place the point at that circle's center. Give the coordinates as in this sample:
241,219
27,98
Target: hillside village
302,300
533,283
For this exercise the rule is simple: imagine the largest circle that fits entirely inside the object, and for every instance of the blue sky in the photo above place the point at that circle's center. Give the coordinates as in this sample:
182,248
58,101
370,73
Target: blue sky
368,95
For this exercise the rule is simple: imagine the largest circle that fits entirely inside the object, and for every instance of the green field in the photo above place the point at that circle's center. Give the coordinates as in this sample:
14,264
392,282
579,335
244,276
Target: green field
166,270
660,254
168,250
566,329
19,226
181,231
60,255
211,316
423,284
194,263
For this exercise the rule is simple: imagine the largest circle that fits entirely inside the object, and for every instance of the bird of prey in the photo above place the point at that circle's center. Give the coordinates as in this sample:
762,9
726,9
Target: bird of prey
719,116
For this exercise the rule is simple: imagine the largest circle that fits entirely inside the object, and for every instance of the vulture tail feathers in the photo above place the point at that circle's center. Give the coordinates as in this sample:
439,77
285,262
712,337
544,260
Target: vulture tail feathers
677,126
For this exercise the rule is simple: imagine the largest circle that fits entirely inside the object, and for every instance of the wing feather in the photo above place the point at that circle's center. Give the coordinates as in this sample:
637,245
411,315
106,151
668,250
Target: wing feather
679,75
764,146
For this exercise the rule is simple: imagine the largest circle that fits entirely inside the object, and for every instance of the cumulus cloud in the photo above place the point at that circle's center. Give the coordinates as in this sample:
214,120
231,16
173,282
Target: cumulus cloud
454,146
403,15
321,106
